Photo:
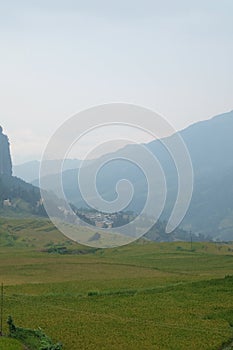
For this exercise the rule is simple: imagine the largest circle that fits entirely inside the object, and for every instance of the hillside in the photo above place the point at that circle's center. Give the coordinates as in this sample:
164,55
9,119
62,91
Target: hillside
210,145
18,198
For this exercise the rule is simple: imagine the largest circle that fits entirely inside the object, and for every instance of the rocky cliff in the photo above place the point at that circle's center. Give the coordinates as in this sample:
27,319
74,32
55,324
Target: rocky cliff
5,157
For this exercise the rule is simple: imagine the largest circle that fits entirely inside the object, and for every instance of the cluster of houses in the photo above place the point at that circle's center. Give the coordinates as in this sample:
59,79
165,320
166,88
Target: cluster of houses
103,220
95,218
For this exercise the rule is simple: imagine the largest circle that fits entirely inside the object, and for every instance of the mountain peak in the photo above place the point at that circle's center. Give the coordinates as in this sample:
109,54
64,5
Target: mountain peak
5,157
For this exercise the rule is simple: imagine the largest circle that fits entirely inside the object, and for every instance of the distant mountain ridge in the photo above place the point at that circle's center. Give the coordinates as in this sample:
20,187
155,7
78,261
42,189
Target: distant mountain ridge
29,171
210,144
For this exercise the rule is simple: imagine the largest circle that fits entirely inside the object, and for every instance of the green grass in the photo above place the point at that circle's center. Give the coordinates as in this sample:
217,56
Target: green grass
10,344
141,296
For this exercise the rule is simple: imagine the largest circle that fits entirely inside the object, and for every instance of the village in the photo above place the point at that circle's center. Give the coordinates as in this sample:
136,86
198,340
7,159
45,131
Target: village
105,220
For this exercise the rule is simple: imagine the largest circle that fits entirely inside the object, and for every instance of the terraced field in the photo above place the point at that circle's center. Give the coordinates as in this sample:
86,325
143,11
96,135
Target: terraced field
142,296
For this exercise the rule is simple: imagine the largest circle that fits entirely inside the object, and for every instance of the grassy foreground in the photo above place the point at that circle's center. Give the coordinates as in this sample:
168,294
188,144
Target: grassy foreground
141,296
10,344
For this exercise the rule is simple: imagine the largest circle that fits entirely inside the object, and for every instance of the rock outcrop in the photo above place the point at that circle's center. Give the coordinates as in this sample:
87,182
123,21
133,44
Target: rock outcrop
5,156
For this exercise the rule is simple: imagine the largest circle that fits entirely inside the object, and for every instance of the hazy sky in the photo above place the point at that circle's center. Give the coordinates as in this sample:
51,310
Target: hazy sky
61,56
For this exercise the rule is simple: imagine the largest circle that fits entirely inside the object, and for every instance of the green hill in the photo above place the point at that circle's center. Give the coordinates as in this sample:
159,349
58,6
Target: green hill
18,198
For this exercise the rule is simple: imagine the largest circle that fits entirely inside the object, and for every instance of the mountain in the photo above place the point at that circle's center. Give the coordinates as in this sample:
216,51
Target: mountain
210,145
16,196
29,171
5,157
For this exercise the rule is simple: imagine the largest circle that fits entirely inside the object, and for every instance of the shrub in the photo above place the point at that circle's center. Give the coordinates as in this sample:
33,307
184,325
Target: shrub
35,339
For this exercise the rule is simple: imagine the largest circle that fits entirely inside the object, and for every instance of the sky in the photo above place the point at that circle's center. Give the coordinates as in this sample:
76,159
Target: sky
58,57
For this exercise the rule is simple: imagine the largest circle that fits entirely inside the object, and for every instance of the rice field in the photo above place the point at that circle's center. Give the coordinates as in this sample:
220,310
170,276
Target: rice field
163,296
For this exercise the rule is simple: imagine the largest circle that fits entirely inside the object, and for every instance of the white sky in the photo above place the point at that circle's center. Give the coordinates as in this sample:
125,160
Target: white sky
58,57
